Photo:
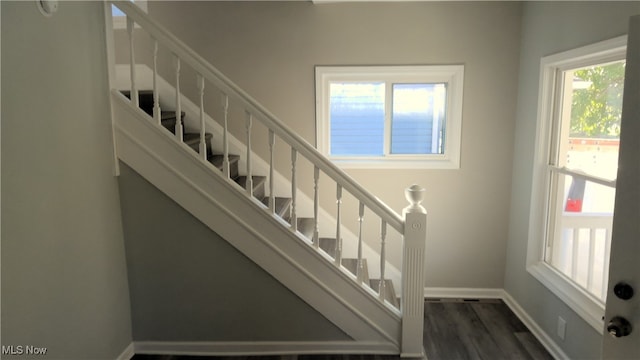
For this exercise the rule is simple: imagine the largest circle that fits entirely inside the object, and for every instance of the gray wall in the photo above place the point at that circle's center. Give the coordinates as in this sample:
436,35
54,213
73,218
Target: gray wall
64,283
270,50
548,28
188,284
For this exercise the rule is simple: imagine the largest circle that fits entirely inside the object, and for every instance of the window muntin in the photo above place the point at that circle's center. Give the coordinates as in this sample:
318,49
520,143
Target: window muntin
574,176
390,116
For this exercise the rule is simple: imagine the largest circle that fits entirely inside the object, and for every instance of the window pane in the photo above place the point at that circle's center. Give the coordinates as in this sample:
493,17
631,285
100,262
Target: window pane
591,138
357,118
116,12
581,211
582,233
418,119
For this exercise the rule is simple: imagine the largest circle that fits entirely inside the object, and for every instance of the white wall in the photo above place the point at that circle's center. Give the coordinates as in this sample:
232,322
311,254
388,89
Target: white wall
64,284
548,28
270,49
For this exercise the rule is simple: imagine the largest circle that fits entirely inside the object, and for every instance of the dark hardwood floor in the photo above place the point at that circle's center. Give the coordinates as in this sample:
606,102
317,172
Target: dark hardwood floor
485,329
464,329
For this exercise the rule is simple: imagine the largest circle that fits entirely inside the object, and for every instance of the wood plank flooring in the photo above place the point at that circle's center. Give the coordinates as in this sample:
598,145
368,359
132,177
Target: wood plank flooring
485,329
462,329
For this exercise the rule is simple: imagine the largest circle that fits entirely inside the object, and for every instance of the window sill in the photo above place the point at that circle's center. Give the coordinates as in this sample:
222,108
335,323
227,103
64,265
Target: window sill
589,309
402,162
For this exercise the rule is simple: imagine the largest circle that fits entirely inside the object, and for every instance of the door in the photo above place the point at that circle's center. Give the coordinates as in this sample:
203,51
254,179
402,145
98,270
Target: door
621,339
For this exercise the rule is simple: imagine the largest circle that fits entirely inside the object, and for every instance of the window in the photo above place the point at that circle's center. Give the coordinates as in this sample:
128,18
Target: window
390,116
576,166
120,18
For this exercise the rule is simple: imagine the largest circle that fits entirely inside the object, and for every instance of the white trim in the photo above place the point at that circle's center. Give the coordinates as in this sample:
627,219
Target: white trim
546,341
585,305
248,348
463,293
127,353
452,75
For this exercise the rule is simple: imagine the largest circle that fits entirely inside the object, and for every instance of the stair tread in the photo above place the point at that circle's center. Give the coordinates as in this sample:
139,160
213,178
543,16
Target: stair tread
257,180
390,292
194,138
328,245
169,115
352,265
217,159
306,226
258,184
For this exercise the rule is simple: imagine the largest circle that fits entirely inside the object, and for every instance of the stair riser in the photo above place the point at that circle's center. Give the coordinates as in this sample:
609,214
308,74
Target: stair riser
196,145
259,191
145,100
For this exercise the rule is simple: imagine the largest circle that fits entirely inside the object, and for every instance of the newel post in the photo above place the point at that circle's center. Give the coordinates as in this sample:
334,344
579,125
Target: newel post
413,266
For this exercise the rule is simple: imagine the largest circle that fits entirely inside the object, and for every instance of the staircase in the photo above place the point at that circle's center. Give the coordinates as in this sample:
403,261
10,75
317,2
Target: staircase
198,171
282,204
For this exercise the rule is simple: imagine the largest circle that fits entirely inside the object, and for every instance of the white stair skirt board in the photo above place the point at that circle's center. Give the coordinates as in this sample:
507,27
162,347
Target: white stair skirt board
200,188
282,185
248,348
127,353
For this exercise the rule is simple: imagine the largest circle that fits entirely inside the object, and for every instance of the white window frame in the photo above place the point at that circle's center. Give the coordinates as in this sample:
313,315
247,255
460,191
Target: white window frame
584,304
452,75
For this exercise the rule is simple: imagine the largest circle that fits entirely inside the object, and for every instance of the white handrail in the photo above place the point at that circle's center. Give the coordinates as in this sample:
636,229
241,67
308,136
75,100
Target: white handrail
213,75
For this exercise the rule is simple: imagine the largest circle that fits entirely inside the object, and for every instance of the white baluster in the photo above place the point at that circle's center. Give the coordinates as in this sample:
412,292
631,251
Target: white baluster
360,265
383,260
157,113
415,223
179,129
132,63
225,140
249,119
272,197
592,256
338,258
575,252
294,190
203,143
316,204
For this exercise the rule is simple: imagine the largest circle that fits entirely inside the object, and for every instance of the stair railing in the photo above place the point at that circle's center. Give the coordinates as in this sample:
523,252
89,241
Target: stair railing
412,225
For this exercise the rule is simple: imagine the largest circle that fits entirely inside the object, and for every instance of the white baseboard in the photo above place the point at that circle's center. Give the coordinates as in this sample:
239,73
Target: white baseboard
245,348
127,353
535,329
463,293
